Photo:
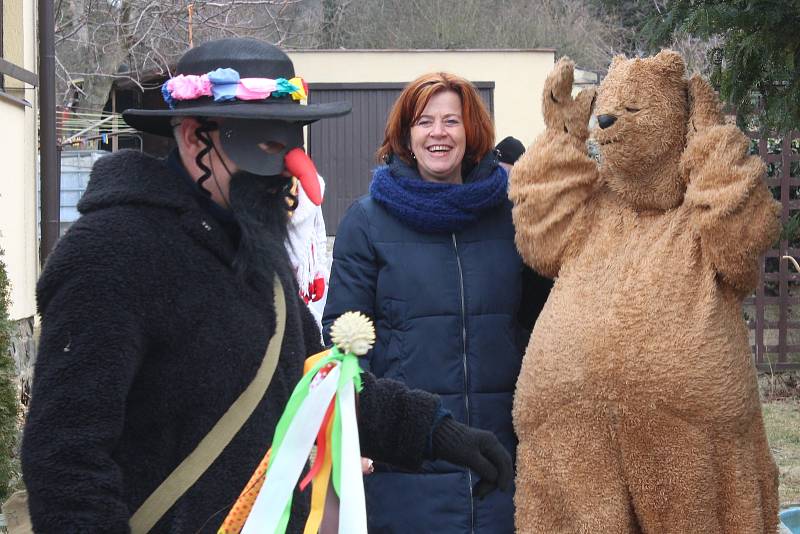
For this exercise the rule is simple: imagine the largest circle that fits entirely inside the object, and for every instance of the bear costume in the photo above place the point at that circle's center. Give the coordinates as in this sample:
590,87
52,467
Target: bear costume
637,406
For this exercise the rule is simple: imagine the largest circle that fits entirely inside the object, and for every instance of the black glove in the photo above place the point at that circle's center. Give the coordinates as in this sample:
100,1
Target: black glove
476,449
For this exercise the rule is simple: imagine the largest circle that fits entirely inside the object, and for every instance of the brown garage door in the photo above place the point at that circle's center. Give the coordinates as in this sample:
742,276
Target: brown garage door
344,148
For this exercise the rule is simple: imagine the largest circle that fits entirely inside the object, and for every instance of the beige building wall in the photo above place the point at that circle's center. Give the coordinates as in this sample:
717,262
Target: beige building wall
18,144
518,76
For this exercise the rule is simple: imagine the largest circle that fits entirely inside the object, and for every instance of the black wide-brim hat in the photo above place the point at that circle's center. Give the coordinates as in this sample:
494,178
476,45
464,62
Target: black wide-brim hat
252,59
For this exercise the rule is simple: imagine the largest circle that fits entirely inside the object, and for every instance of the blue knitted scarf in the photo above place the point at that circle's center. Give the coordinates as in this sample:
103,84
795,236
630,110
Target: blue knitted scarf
431,207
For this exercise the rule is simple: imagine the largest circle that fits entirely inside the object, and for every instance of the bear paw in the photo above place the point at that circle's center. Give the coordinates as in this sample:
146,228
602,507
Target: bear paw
562,112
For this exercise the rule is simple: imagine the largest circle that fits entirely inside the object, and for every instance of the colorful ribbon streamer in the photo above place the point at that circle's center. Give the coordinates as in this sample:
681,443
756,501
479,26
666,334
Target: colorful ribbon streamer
322,410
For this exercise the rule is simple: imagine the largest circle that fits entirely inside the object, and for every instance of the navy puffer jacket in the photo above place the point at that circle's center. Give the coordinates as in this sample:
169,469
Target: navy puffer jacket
450,319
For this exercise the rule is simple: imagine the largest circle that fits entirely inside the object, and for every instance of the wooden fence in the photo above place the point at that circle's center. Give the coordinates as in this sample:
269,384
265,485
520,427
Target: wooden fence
773,312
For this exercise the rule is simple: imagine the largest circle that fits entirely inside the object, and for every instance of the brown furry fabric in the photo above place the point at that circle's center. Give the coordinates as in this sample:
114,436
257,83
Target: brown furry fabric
637,406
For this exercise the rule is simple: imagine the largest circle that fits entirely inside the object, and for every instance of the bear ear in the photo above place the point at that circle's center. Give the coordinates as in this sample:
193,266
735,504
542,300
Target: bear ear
671,62
615,61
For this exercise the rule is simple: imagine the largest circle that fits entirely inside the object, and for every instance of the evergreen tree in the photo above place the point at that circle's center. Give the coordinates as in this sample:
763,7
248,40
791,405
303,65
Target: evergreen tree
758,65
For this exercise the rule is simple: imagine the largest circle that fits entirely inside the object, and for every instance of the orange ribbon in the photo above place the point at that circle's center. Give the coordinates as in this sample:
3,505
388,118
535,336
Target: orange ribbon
236,518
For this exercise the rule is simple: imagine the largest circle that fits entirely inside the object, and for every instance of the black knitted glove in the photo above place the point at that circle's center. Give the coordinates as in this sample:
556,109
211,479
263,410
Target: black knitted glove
476,449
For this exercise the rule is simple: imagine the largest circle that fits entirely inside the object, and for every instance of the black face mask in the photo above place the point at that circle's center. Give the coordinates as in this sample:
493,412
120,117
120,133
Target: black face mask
245,142
259,205
260,146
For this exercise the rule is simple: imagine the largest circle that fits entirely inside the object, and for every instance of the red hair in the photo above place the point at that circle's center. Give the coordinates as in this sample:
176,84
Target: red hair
412,101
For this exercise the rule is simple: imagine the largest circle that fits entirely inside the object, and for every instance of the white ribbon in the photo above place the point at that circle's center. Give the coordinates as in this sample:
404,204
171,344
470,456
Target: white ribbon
352,508
292,456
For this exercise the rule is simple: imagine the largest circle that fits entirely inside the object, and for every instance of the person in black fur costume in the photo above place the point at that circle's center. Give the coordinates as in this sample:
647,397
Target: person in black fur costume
156,309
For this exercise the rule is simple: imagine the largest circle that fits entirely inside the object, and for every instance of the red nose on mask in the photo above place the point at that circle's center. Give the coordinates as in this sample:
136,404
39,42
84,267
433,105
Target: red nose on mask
300,165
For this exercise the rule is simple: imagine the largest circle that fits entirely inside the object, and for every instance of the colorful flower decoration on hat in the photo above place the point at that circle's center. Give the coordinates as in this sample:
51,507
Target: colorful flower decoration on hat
226,85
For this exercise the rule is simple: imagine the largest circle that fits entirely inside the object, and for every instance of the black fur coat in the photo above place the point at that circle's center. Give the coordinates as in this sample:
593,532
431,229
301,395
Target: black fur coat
147,337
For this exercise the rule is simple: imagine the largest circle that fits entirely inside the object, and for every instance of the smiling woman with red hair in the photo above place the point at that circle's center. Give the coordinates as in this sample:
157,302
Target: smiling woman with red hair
477,123
429,254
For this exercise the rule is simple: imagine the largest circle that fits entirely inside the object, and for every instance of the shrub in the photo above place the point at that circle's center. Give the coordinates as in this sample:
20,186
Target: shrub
9,407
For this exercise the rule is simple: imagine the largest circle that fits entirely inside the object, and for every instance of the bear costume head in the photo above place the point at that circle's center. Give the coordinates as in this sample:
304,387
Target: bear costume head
642,110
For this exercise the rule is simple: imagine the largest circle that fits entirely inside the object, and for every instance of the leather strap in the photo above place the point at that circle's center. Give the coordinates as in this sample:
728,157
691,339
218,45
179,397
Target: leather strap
212,445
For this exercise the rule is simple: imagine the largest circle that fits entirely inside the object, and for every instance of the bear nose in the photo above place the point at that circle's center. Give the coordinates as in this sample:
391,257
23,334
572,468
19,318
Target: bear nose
606,120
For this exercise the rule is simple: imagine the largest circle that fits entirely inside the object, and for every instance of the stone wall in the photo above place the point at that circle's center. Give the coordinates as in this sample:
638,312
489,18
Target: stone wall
23,350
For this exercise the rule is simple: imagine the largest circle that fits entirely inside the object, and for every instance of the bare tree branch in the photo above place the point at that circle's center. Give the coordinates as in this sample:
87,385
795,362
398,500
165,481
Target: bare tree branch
98,39
104,40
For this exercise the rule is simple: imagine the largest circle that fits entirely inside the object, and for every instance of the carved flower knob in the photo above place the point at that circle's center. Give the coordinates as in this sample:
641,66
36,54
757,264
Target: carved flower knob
353,332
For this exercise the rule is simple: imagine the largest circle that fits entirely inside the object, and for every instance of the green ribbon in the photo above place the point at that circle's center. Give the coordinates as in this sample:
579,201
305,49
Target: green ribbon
349,370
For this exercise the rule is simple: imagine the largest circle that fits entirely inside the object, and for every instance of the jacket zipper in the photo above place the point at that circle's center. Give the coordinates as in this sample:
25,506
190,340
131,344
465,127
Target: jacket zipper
466,380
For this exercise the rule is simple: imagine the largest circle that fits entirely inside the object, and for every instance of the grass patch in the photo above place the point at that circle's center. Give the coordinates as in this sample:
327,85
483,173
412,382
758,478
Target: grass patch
782,421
